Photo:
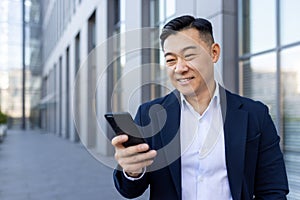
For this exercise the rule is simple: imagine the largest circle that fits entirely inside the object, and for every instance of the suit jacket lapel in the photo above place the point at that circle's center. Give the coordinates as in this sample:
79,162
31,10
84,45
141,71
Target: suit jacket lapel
235,133
170,138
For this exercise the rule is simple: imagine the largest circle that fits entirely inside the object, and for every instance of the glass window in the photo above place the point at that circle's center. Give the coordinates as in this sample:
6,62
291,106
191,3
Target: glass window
170,8
77,52
259,27
161,11
259,80
10,35
92,32
13,17
259,73
152,72
118,54
289,25
290,76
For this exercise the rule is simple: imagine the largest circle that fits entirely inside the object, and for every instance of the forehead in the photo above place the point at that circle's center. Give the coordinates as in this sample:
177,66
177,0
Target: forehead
179,41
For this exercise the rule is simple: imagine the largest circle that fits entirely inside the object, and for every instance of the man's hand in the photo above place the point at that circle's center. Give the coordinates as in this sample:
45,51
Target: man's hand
134,158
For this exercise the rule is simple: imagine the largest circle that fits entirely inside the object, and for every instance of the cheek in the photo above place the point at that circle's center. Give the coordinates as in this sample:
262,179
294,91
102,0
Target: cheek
202,65
197,66
202,62
170,73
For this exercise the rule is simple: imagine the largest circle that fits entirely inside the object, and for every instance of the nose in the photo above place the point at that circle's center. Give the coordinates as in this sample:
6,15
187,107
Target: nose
181,66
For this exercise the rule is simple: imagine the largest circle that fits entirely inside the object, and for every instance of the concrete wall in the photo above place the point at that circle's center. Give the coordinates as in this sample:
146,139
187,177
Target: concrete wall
77,23
223,16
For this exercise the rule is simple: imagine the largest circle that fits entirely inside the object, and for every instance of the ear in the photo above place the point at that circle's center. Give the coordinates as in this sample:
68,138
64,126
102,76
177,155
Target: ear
215,52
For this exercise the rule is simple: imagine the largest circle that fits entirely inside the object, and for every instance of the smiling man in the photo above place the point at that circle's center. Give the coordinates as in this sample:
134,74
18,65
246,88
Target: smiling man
227,146
190,65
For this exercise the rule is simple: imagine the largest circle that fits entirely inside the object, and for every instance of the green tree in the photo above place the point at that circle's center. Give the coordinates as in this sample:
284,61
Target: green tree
3,118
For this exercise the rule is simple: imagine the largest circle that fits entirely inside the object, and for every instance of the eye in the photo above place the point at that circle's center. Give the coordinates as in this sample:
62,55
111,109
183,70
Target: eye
170,61
189,56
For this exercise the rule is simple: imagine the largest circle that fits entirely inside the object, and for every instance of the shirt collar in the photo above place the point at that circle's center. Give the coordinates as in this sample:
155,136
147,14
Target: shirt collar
215,96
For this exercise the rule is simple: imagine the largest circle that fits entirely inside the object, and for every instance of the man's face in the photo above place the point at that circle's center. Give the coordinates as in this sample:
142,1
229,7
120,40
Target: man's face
189,61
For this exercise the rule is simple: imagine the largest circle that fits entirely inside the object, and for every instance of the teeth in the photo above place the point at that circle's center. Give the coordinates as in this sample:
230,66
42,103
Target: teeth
184,80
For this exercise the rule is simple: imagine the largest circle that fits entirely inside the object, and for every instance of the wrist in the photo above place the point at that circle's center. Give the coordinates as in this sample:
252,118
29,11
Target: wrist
133,176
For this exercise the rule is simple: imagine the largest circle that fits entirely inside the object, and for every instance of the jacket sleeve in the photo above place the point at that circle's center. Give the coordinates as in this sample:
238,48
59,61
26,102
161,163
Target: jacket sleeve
270,178
129,188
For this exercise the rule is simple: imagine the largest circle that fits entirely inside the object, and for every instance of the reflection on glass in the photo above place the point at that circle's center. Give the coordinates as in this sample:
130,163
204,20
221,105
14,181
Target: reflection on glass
11,58
259,80
259,26
7,6
290,31
170,8
162,9
119,57
10,35
290,76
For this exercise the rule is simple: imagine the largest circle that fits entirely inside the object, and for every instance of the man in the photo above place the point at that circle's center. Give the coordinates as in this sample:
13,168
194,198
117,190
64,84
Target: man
213,144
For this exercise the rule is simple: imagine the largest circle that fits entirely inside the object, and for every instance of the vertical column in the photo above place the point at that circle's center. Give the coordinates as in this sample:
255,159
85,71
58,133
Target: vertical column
63,95
60,96
102,146
83,84
132,73
230,45
224,19
73,132
67,92
91,82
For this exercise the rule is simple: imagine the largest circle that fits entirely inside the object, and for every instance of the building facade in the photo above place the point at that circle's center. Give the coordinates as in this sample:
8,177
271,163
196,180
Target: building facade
101,56
20,62
11,59
269,70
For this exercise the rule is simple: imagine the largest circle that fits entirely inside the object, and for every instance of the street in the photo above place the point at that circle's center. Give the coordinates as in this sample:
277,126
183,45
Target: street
42,166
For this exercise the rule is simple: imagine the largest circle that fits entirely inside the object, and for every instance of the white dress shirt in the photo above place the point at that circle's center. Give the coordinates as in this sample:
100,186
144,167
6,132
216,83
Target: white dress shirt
203,165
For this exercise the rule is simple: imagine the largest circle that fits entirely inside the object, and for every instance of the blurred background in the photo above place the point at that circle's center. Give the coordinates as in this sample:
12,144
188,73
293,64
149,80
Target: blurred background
44,44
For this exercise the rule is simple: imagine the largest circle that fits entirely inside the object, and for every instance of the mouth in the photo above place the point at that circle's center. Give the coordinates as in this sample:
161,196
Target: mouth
185,80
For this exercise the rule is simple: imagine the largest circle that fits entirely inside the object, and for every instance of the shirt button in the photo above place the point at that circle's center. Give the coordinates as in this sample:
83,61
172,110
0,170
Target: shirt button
199,155
200,179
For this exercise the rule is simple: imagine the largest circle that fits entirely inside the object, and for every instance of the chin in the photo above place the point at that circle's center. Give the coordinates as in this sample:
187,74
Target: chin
187,93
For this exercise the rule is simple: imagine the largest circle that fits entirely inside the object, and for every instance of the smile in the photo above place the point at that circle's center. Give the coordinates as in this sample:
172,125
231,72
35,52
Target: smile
184,80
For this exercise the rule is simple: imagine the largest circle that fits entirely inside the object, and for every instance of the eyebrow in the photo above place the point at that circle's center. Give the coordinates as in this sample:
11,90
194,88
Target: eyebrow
183,50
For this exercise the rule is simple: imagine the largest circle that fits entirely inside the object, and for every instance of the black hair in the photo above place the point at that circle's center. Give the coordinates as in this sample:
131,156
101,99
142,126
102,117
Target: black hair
185,22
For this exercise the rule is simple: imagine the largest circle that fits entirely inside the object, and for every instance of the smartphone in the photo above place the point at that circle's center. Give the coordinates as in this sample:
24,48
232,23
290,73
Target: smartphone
122,123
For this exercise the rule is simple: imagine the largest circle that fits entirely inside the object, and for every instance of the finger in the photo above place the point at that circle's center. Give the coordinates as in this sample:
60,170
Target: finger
119,140
137,167
138,158
140,148
133,150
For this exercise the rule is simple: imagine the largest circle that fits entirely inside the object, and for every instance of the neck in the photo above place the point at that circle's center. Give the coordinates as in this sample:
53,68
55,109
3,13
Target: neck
201,100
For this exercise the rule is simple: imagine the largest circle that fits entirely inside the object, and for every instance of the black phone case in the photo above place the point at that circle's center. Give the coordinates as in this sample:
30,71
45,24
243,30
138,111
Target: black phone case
122,123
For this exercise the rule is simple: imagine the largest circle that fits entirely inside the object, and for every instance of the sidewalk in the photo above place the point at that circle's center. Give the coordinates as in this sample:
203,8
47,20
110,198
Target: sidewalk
43,166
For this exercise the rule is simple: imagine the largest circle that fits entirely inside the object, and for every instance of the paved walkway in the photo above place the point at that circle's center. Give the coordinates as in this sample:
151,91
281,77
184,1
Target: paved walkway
43,166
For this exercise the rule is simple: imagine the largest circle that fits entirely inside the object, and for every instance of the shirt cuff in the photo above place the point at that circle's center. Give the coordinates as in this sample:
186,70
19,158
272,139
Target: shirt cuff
135,178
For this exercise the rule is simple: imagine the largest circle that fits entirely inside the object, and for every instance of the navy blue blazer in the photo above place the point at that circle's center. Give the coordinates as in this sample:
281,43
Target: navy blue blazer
254,161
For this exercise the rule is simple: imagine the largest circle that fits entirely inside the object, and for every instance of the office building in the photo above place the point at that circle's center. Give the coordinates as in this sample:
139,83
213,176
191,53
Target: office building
101,56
